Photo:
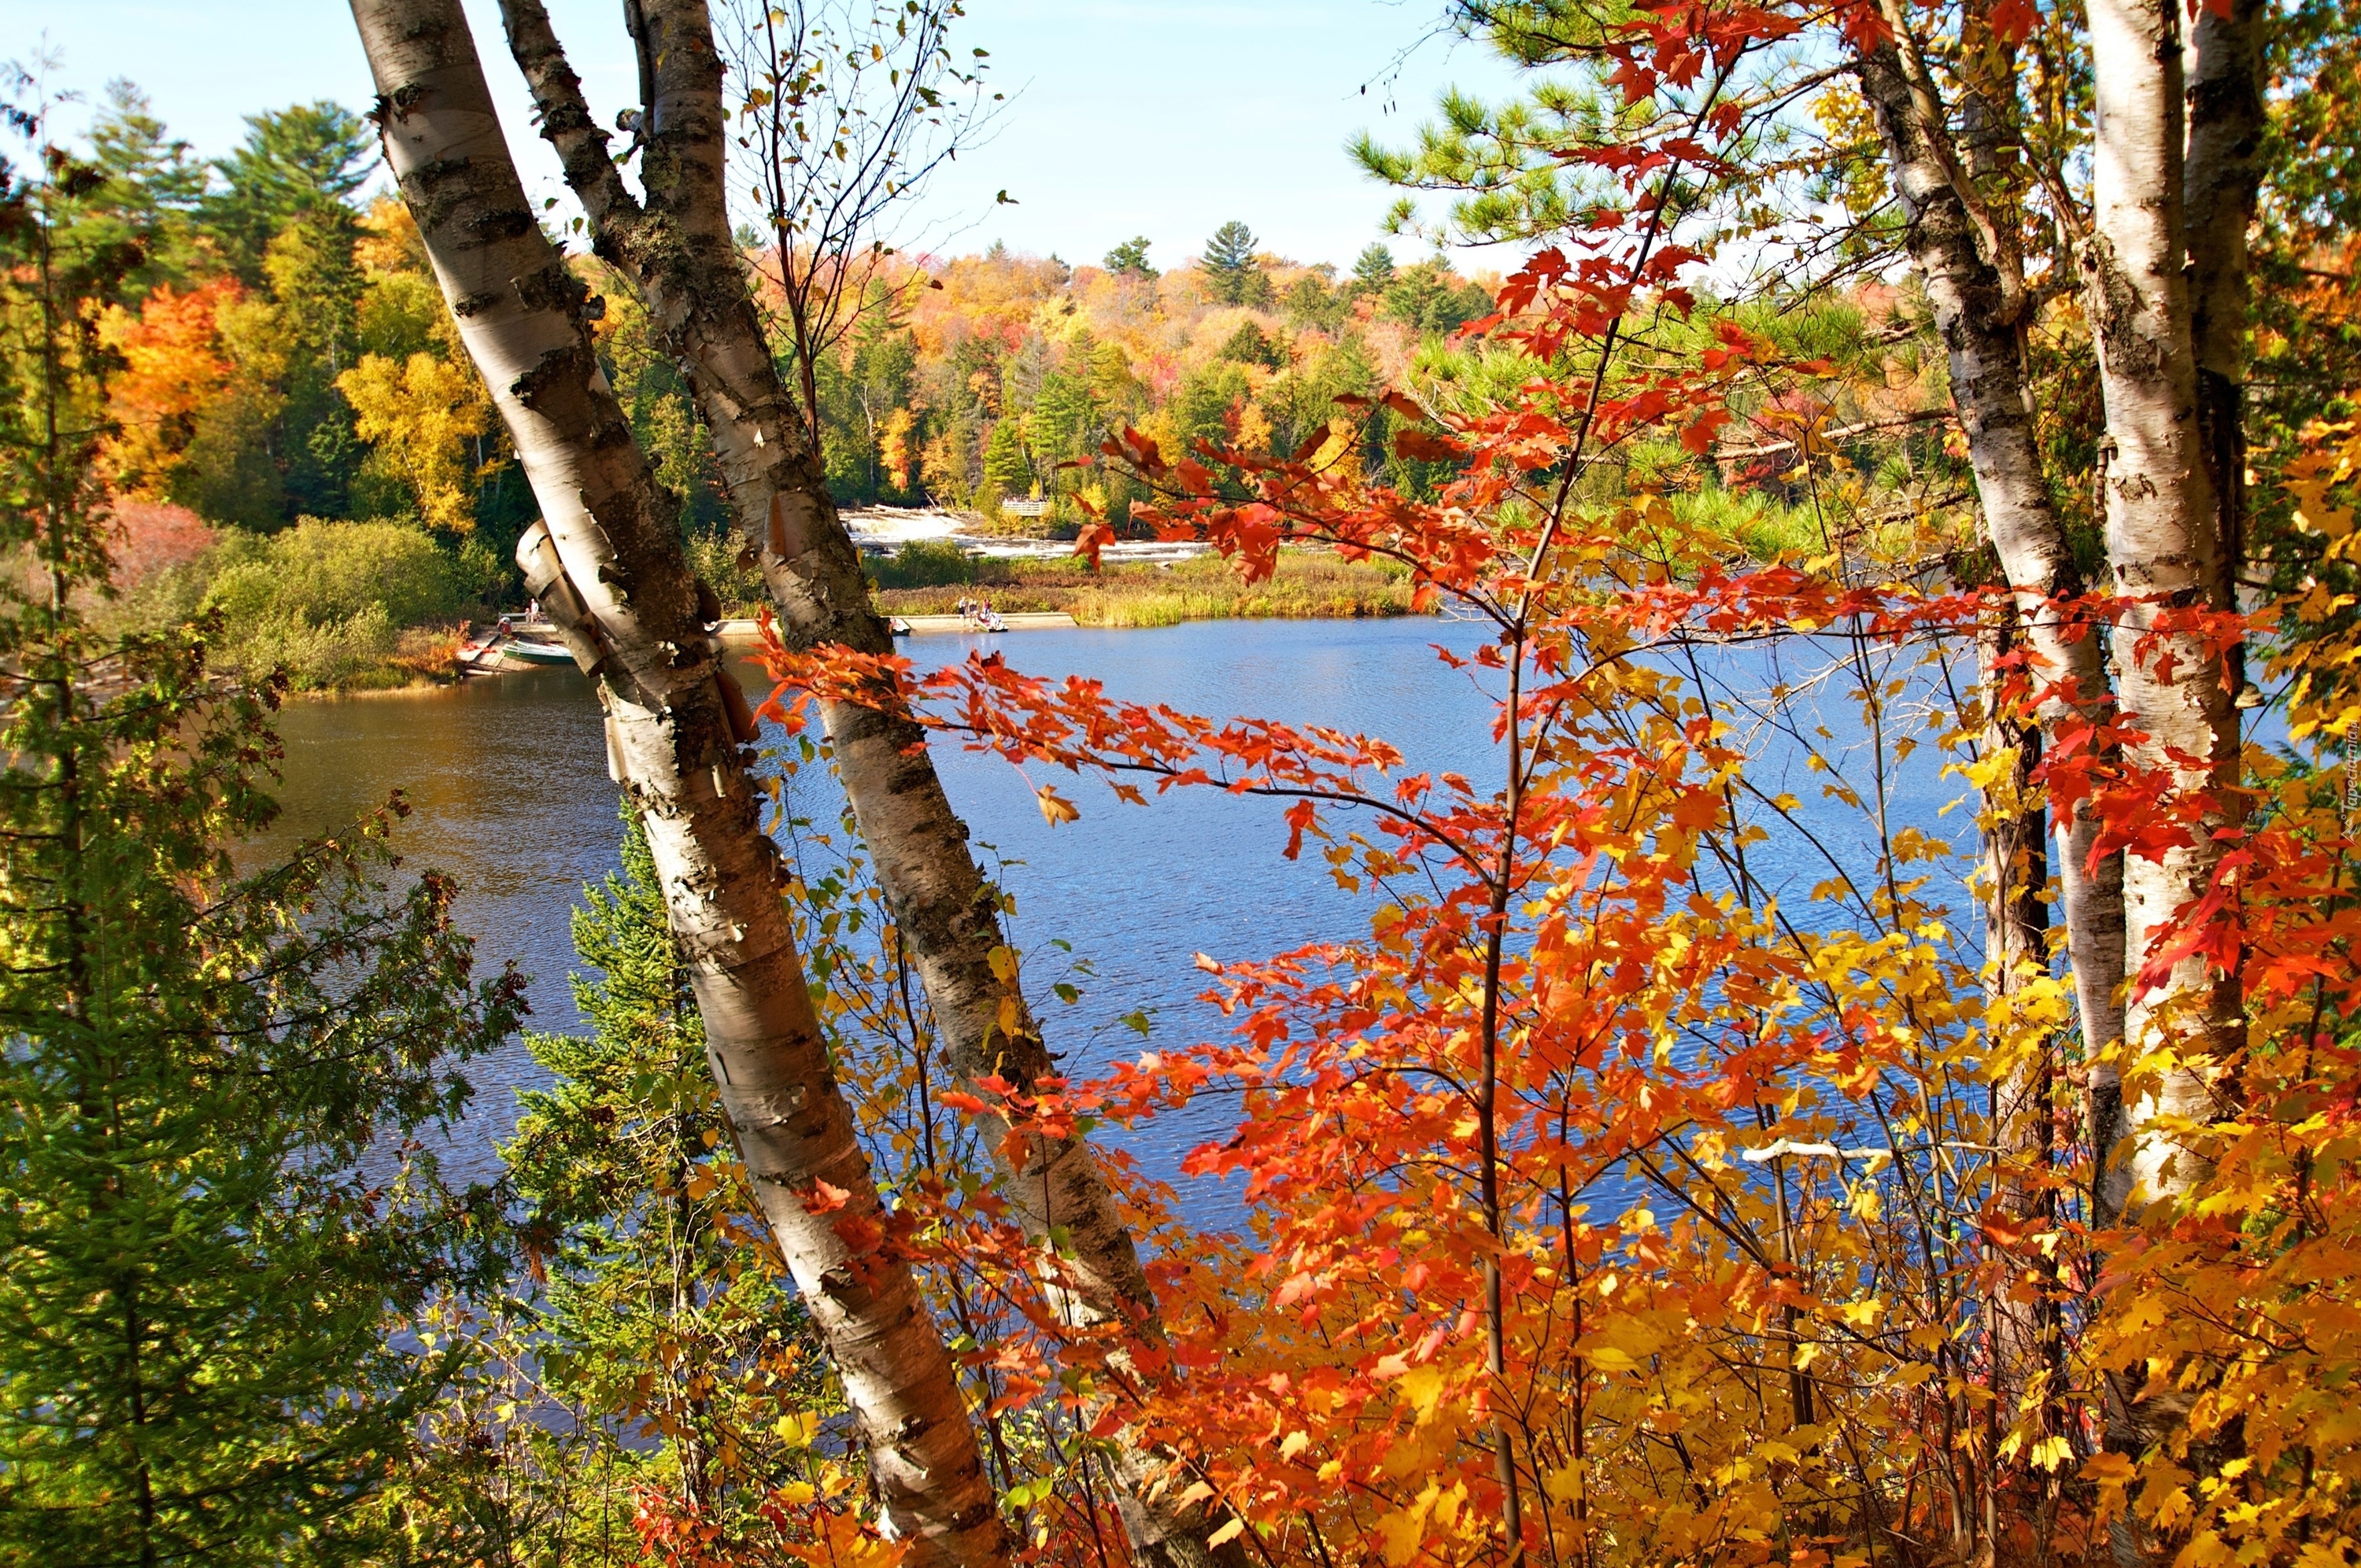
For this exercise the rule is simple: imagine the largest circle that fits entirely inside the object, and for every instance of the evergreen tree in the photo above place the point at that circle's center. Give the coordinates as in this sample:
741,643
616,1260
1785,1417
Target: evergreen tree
1373,271
1131,257
1251,346
316,287
217,1208
147,195
1232,273
667,1324
1312,302
1424,298
297,162
1007,465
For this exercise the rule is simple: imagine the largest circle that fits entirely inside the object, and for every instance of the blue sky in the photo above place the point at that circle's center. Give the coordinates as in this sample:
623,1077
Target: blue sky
1162,117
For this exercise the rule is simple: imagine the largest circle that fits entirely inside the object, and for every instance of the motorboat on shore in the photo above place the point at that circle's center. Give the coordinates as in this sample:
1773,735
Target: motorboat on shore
532,651
516,640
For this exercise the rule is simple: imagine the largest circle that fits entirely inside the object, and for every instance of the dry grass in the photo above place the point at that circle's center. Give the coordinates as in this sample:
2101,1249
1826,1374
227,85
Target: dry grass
1305,586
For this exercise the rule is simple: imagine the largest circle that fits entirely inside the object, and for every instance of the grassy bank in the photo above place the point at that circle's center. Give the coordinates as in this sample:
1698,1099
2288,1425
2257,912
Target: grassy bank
1305,586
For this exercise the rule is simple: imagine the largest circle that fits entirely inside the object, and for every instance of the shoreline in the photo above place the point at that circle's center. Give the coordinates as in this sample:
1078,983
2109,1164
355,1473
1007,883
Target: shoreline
746,629
742,629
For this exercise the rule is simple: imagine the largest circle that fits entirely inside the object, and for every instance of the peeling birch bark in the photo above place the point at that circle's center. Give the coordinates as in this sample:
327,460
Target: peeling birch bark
2165,543
678,250
2223,60
1985,344
610,563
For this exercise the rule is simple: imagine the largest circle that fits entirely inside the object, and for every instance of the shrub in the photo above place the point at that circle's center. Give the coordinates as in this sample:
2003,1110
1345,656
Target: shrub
714,557
924,563
327,600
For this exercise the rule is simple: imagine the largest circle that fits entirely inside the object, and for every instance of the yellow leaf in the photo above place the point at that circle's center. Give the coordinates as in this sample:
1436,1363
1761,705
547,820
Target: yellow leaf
1055,808
1422,1389
2107,1469
1294,1444
1228,1533
1399,1532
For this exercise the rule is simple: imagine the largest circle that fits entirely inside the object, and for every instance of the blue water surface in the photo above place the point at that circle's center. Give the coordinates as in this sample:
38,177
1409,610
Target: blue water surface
507,780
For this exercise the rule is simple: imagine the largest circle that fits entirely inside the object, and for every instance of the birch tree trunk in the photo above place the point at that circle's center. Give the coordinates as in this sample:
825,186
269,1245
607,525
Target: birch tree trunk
1979,314
2165,543
2022,1310
677,249
608,560
2224,63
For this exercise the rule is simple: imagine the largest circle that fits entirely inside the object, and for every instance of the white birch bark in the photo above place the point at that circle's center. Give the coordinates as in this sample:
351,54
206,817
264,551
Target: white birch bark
1979,317
2164,542
609,559
2223,59
678,251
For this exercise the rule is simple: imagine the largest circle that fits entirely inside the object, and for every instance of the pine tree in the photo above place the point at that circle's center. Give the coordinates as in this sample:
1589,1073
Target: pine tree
668,1321
218,1210
303,162
1006,463
1232,273
149,193
1373,271
1131,257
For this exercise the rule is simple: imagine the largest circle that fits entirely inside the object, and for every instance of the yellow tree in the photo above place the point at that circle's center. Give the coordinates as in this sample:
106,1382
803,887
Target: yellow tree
421,416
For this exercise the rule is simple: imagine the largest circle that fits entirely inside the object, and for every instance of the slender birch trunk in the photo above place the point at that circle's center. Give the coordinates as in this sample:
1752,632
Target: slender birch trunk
608,559
2024,1305
678,250
2223,60
1981,314
2165,543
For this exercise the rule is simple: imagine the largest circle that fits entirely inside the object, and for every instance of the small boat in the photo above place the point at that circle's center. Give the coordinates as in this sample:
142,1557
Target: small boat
530,653
898,626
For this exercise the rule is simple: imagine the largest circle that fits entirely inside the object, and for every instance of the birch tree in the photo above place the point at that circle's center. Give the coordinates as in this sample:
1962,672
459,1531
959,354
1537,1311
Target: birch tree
608,562
677,249
2166,547
1975,279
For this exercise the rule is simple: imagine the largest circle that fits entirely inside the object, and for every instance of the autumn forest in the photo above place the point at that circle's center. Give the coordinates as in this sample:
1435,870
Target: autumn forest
1853,1061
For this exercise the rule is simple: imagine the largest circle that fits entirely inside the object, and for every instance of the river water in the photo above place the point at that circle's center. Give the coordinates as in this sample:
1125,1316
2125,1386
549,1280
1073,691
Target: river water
507,780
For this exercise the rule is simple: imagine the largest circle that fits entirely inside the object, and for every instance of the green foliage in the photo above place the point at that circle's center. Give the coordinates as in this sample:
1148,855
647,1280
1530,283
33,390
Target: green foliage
654,394
1425,300
924,563
1497,164
666,1325
148,193
296,163
1373,271
1312,302
316,287
1233,275
218,1208
1065,422
1131,257
720,559
326,601
1007,465
860,393
1251,346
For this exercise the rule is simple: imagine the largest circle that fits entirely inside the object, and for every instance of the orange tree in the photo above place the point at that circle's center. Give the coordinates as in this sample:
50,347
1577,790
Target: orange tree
1625,1193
